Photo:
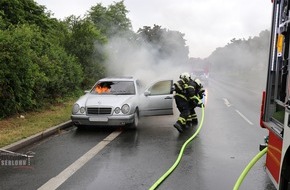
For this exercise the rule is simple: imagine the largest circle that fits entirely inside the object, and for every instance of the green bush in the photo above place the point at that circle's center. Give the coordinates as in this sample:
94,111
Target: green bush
33,70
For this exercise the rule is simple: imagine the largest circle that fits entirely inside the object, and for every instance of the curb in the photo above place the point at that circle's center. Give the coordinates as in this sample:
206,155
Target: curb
37,137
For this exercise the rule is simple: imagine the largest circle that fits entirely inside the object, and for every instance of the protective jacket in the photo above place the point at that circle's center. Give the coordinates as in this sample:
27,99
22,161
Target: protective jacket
195,95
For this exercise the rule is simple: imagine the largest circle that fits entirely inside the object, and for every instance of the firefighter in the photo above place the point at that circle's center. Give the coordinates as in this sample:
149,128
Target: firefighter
200,90
195,95
181,100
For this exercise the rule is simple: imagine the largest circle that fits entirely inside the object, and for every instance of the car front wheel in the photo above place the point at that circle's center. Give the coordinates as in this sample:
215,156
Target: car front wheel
80,127
136,120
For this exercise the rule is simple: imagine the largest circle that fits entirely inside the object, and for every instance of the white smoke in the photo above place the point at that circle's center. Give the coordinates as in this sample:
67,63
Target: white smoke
128,58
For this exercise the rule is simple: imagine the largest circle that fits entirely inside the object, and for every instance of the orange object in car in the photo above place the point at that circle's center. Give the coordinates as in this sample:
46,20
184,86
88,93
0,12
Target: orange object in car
101,90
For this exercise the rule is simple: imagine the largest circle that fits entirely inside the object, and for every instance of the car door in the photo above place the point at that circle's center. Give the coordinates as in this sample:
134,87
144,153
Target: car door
157,99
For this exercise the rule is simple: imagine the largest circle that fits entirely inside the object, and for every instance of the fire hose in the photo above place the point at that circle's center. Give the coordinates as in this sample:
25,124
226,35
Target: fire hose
248,167
172,168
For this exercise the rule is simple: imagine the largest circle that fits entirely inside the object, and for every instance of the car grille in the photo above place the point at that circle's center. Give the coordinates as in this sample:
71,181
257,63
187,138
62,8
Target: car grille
99,111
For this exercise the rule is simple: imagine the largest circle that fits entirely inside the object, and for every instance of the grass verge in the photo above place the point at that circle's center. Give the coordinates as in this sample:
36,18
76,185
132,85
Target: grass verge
16,128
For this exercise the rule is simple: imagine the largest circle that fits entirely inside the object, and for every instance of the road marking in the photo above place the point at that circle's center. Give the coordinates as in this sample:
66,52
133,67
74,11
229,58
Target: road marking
244,117
56,181
227,102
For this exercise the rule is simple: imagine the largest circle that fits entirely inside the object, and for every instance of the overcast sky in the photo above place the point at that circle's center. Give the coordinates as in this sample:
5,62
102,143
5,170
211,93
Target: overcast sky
207,24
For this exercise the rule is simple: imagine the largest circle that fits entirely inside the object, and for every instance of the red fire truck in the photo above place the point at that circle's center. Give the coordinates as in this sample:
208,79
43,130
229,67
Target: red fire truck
275,109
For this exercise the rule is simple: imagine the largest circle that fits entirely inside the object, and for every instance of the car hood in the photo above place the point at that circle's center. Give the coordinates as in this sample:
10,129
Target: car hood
104,100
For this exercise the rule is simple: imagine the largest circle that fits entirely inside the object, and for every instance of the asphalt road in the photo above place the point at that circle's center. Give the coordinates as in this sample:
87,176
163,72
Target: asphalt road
116,159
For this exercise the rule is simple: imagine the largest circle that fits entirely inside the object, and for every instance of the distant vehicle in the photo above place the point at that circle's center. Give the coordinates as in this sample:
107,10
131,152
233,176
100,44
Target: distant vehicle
121,101
201,75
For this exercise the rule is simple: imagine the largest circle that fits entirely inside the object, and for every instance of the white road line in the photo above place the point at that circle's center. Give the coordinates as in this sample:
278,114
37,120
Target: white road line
56,181
227,102
244,117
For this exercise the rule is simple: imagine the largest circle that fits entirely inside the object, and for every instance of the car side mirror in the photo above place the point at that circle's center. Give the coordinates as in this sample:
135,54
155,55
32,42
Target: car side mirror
147,93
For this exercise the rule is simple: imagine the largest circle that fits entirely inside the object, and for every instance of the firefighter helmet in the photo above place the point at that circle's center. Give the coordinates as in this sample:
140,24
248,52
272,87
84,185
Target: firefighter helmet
185,76
197,81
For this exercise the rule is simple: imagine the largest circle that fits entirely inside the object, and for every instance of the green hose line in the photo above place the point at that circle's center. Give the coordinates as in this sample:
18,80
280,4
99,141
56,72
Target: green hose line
249,166
171,169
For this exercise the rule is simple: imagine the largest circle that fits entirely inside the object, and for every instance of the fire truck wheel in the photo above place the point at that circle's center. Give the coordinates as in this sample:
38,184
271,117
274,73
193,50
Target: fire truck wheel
285,173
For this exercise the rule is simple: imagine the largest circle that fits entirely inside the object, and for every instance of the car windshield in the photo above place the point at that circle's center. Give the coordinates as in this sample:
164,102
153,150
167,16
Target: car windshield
114,88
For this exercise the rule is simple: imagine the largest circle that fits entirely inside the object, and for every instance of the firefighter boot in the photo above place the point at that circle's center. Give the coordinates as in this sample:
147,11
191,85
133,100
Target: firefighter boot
188,124
194,122
178,127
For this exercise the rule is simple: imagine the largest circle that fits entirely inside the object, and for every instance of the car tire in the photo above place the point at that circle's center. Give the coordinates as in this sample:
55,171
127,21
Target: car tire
135,121
80,127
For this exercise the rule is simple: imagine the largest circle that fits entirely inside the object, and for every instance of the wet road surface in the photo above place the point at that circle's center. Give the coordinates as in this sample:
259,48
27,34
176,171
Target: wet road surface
136,159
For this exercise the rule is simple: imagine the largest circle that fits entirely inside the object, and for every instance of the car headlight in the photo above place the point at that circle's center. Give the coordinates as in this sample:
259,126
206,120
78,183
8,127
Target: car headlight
125,109
82,110
76,108
117,110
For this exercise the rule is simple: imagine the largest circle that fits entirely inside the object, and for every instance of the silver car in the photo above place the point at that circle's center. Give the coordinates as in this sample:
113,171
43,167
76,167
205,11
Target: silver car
121,101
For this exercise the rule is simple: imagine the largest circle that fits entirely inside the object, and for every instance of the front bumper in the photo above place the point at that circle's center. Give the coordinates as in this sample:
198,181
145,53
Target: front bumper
106,120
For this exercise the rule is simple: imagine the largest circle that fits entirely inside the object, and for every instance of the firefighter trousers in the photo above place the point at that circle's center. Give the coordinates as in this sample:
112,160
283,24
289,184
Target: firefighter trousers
192,117
183,108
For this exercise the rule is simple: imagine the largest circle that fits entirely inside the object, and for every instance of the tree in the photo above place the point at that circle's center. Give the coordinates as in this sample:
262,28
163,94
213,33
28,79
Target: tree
33,70
112,20
25,12
167,44
241,58
34,67
83,41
